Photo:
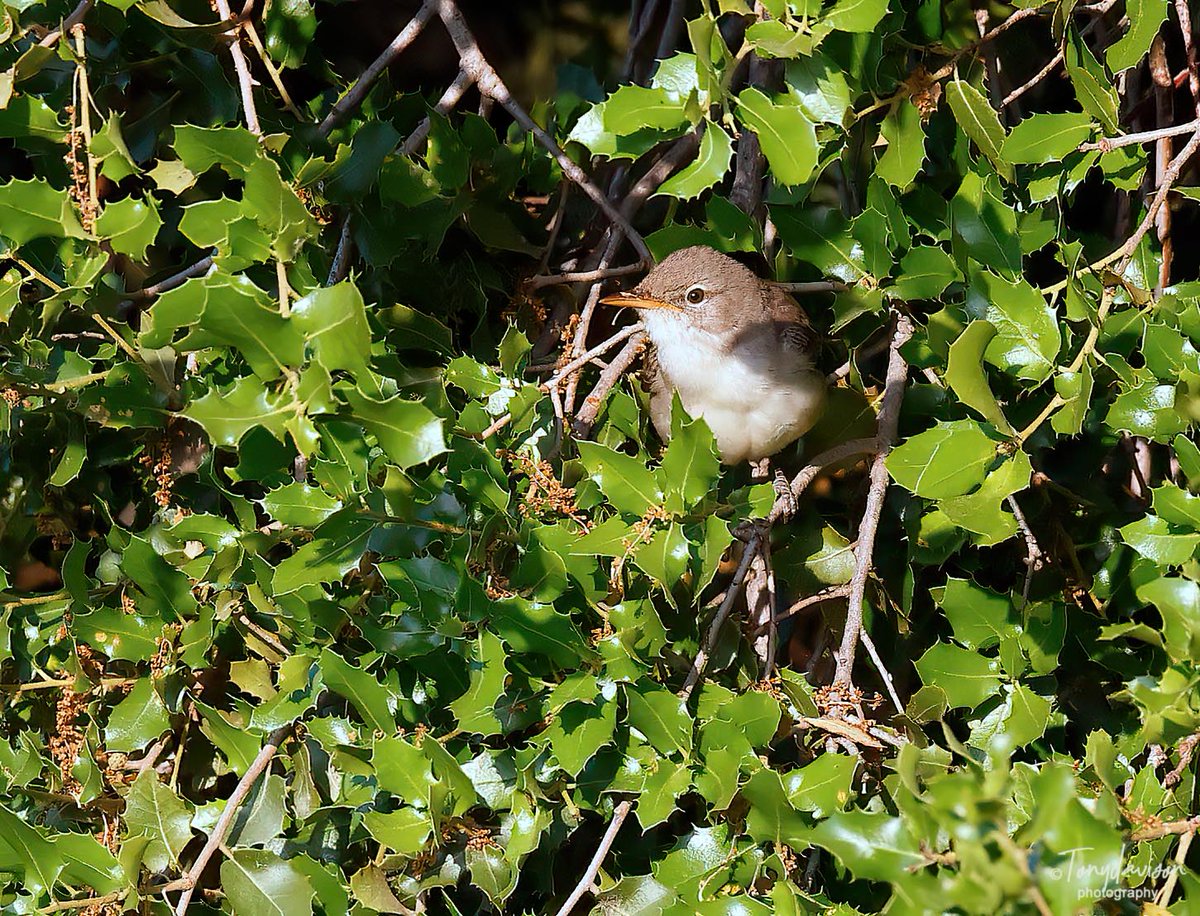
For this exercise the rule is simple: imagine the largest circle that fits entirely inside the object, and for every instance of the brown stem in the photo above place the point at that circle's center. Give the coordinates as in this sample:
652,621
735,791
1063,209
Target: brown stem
1104,144
889,421
451,97
51,38
1055,61
809,473
217,838
245,83
714,628
582,424
585,883
173,281
1189,47
490,84
358,91
1168,828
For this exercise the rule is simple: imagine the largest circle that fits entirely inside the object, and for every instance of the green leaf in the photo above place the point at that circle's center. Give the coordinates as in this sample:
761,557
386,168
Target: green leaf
408,431
950,459
856,15
905,154
691,465
154,811
632,108
925,272
238,746
1160,542
1046,137
967,677
130,224
772,38
1146,409
401,768
986,225
300,505
1093,88
137,720
629,485
787,137
966,376
35,209
29,852
662,717
708,168
476,709
228,415
333,320
823,786
979,616
579,731
1178,601
874,846
979,121
365,693
260,882
404,831
1145,16
289,25
1027,333
538,628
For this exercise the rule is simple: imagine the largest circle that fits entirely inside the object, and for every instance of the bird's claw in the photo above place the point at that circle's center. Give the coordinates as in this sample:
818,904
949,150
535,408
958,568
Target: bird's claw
785,500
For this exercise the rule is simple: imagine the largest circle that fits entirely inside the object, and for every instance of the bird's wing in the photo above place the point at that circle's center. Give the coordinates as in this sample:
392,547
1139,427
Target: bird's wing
792,324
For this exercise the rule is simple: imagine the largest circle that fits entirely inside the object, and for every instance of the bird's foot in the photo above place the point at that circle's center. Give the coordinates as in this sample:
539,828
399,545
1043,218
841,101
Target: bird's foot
785,500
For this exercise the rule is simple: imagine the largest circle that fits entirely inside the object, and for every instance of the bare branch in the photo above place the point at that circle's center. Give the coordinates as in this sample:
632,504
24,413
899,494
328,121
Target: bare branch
50,39
245,82
175,280
1055,61
591,404
828,594
451,97
1169,828
889,420
217,838
585,883
714,628
471,59
830,456
582,276
358,91
1189,46
340,266
814,286
1104,144
580,361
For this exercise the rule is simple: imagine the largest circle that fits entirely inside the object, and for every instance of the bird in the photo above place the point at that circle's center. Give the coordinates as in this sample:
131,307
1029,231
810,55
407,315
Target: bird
740,352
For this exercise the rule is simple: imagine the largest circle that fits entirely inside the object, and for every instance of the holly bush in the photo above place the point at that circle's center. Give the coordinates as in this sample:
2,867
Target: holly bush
342,570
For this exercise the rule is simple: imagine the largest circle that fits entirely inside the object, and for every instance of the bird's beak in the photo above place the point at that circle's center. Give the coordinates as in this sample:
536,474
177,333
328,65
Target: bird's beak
632,300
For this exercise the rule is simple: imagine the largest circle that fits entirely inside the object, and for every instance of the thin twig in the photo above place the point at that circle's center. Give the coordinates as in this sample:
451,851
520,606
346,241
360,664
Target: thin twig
1033,553
582,424
341,255
1168,828
1037,78
215,839
60,905
1105,144
582,276
471,59
869,645
358,91
809,473
889,420
272,70
714,628
610,834
451,97
814,286
581,361
245,81
1189,47
828,594
50,39
162,286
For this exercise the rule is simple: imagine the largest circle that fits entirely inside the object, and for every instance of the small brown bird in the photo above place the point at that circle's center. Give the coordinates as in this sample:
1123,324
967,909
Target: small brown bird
740,352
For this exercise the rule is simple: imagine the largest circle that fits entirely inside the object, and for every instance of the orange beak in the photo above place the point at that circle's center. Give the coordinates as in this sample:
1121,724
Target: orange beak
634,301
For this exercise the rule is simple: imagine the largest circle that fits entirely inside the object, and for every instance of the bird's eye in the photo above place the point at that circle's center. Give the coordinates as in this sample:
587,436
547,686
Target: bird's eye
695,295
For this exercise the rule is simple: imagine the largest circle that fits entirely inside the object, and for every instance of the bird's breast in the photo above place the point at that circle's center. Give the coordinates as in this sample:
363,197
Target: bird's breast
755,400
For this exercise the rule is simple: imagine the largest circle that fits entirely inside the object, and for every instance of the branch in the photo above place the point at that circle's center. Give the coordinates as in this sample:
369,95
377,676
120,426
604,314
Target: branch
889,420
580,361
451,97
1105,144
714,628
1169,828
999,30
1189,46
243,71
175,280
582,276
215,839
591,404
358,91
76,17
814,286
1037,78
341,255
606,841
830,456
471,60
827,594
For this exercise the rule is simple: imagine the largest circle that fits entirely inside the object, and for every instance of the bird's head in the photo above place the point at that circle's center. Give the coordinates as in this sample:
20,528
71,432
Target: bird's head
698,286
